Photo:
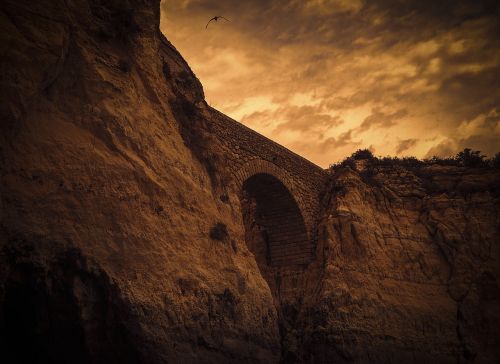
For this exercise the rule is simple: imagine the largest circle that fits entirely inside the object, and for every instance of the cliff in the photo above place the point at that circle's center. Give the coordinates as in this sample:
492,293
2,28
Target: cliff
411,266
121,239
106,207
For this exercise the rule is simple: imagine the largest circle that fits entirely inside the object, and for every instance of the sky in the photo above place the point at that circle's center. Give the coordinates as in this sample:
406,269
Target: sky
327,77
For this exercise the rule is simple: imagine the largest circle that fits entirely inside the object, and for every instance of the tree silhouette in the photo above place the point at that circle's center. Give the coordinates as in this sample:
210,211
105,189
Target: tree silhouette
471,158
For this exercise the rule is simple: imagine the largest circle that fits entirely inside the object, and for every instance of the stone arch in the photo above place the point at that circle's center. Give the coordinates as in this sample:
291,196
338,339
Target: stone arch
260,166
276,230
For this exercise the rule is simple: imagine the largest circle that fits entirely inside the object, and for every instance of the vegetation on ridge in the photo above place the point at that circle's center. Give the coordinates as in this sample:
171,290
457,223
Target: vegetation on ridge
466,158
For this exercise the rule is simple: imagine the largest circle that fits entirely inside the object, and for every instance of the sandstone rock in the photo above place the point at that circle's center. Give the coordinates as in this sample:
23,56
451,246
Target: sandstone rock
94,164
124,239
404,271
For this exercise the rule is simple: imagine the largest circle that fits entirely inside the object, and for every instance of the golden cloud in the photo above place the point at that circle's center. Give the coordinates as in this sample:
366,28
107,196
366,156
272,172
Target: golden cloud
327,77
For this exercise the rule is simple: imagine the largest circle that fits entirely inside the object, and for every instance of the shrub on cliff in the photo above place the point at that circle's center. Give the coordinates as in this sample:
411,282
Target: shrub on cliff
362,154
408,162
471,158
495,161
467,158
442,161
218,232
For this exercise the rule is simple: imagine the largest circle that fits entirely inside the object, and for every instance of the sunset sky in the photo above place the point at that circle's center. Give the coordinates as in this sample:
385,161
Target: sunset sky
325,78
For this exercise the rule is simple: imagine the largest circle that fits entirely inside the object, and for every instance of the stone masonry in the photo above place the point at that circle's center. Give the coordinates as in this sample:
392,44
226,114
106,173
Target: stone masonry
250,154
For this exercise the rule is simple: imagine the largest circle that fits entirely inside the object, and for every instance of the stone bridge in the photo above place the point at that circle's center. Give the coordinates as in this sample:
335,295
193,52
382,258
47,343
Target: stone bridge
284,186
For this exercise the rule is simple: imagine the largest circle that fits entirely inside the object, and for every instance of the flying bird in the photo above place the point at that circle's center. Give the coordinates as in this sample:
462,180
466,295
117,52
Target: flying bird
216,18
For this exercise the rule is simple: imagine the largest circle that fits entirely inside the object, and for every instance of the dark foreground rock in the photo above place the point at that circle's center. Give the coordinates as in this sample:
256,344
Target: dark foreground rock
106,211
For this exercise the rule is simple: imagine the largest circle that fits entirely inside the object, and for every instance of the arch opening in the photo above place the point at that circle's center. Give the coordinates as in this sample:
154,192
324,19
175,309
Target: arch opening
275,230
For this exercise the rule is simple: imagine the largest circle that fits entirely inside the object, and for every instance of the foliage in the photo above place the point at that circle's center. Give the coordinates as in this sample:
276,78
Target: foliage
467,158
495,161
471,158
362,154
218,231
442,161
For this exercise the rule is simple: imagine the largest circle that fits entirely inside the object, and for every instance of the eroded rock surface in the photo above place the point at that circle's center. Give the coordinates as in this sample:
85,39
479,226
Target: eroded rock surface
123,240
412,267
96,159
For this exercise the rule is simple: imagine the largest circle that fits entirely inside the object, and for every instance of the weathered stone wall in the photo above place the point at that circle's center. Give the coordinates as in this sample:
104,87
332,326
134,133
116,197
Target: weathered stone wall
249,153
280,222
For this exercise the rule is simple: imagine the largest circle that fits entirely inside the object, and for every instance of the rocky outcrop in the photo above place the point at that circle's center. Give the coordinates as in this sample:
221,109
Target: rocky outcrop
122,239
411,267
99,163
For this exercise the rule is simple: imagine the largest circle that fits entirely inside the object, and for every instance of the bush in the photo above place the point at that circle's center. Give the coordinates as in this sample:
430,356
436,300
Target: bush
218,232
412,162
471,158
466,158
447,161
495,161
362,154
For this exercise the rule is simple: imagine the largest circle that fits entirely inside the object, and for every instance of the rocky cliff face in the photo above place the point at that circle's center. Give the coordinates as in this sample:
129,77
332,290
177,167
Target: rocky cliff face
106,207
411,267
117,246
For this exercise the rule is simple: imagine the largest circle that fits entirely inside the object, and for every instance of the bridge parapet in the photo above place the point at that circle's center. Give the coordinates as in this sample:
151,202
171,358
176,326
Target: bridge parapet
249,153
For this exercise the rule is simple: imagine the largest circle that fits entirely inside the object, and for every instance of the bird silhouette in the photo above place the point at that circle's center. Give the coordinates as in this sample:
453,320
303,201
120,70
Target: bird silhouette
216,18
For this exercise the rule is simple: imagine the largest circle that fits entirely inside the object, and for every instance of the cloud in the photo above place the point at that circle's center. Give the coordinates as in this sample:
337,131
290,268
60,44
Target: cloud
344,139
305,119
483,124
405,144
445,148
324,77
329,7
381,119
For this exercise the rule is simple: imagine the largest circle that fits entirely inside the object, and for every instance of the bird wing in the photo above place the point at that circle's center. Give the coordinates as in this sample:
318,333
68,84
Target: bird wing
224,18
206,26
